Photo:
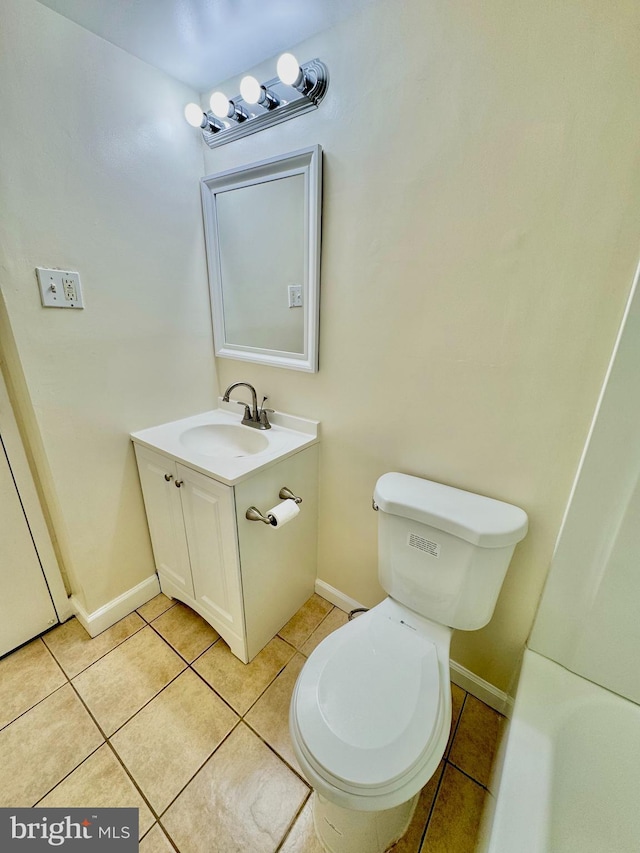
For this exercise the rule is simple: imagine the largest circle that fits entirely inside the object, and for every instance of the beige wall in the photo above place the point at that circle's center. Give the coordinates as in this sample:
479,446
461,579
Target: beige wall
481,201
98,173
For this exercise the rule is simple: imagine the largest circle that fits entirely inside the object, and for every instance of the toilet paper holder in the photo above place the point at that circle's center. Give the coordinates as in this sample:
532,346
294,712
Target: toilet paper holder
254,514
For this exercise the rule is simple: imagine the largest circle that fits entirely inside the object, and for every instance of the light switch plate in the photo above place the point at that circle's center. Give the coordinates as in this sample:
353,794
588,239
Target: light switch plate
59,288
295,295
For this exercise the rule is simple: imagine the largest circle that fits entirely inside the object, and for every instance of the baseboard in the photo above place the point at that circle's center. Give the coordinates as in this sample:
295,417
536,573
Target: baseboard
339,599
107,615
464,678
481,689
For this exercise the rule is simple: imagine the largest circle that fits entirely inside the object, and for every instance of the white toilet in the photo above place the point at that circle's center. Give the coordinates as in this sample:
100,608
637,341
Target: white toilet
371,710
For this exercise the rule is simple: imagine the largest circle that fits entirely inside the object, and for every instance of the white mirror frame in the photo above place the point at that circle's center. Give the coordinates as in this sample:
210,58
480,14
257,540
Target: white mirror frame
306,162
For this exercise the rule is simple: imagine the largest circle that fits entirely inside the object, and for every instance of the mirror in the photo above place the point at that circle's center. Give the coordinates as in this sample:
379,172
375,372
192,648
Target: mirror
262,233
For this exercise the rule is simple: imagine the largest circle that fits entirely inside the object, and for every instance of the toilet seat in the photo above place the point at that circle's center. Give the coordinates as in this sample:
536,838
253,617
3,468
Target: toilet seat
369,714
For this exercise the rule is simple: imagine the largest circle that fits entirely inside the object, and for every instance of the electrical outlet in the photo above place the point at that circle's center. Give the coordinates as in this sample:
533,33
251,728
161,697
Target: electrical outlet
59,288
295,295
69,288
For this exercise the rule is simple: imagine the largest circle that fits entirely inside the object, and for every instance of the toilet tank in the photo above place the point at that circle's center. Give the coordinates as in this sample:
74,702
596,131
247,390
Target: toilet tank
444,552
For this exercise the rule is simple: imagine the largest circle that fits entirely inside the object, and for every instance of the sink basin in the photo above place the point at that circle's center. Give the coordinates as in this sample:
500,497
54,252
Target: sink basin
228,440
219,446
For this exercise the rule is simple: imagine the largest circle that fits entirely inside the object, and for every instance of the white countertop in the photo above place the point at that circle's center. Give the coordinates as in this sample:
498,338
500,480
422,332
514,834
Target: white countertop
288,435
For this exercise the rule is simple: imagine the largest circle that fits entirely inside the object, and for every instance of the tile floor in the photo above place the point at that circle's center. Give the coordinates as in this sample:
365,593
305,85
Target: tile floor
156,713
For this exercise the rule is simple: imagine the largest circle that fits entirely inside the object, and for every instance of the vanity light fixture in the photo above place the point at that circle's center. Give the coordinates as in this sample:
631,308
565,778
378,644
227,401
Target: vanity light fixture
296,89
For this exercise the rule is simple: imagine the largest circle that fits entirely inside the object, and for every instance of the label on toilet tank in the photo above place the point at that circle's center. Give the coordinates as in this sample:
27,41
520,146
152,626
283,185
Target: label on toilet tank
422,544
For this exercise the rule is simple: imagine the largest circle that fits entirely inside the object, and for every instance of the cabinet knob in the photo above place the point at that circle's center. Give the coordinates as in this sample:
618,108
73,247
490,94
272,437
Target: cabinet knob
178,483
168,477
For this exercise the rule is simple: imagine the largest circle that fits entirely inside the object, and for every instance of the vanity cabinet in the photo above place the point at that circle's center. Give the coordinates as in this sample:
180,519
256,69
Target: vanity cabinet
245,578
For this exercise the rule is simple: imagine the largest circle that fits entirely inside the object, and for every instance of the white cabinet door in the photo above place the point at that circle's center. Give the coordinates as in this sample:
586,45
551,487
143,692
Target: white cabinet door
26,608
209,516
166,524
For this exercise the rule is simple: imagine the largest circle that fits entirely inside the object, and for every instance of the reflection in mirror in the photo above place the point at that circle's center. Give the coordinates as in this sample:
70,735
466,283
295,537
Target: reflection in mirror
257,269
262,230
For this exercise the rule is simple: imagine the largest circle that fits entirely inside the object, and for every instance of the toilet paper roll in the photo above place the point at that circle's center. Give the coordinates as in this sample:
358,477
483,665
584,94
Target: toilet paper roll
283,513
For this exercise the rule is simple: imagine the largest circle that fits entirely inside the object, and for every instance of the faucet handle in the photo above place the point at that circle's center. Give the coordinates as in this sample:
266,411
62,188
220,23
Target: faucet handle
262,412
264,415
247,410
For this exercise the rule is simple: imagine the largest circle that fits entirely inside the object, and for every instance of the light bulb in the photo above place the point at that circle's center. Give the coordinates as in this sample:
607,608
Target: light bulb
219,104
288,69
194,115
250,89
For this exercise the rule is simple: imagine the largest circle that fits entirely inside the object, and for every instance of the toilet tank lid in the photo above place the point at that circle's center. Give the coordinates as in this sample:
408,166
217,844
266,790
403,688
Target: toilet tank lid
479,520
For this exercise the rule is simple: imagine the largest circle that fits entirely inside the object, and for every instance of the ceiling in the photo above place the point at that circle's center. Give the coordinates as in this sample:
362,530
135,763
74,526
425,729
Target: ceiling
203,42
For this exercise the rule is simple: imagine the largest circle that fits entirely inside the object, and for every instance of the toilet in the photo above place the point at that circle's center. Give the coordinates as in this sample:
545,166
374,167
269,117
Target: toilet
370,712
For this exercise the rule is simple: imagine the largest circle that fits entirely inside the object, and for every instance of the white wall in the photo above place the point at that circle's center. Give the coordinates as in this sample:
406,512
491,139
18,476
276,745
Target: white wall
98,173
481,201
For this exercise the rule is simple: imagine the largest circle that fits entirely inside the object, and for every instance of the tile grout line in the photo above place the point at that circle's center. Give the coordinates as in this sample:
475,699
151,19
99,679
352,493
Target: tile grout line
191,778
331,609
278,673
169,838
321,622
222,699
133,782
107,741
164,832
451,762
469,777
276,753
66,776
289,829
56,662
457,726
101,657
148,702
174,601
261,694
431,810
174,649
35,705
145,621
439,785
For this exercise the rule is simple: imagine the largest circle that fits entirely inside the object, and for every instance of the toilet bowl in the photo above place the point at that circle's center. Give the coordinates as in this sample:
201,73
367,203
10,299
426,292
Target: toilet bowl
371,710
369,722
370,713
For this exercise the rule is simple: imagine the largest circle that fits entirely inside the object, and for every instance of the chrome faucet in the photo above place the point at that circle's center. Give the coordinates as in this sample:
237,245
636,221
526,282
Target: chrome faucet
253,417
